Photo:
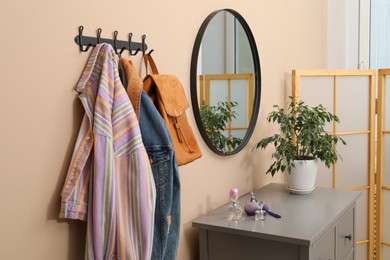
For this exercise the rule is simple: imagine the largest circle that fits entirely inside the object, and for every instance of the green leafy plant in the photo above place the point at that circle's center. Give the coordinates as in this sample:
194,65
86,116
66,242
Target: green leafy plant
215,120
301,136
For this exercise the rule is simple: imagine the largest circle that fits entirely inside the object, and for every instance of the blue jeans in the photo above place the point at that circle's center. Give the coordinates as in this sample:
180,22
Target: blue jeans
158,143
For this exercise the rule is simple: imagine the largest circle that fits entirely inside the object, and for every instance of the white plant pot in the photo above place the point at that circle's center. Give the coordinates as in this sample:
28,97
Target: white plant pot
302,177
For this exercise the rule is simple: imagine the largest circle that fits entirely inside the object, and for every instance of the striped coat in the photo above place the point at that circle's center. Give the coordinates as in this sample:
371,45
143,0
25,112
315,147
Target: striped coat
110,182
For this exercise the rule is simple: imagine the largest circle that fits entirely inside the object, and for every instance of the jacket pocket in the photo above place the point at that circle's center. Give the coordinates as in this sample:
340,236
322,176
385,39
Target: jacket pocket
160,163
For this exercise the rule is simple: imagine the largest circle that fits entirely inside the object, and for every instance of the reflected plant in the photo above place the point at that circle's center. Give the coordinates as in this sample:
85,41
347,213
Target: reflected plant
215,120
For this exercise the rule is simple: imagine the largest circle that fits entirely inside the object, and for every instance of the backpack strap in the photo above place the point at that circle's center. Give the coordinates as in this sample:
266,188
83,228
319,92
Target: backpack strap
148,59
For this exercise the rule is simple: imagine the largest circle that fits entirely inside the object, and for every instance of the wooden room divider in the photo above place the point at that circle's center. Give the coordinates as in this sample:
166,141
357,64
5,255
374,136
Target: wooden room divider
350,94
383,167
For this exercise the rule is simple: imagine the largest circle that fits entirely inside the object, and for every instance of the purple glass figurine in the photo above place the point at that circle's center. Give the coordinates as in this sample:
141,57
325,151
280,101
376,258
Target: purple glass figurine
252,205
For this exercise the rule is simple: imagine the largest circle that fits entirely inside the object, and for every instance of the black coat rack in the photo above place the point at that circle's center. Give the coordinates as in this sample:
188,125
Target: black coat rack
85,42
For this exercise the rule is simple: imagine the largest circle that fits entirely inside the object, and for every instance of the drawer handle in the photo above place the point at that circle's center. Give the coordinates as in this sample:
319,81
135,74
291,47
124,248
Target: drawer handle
349,237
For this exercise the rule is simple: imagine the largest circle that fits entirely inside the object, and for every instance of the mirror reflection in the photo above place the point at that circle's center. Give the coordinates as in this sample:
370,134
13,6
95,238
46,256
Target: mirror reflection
227,82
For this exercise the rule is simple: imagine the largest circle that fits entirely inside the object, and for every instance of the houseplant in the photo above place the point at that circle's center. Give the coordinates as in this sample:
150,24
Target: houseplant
215,120
302,141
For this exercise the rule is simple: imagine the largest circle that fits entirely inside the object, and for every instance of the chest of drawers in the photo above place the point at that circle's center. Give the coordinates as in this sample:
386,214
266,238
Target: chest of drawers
320,225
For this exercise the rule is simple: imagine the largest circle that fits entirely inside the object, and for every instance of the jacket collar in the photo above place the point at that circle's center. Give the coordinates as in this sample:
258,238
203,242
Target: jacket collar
134,84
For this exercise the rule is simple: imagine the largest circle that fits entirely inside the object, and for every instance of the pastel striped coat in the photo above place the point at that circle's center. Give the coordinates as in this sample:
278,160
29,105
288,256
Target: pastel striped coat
110,182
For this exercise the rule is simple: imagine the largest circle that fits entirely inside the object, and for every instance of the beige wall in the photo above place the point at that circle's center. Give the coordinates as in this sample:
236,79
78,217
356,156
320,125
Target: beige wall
40,113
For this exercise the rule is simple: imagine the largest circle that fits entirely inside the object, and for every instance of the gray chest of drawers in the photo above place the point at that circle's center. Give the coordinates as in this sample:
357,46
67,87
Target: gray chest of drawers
320,225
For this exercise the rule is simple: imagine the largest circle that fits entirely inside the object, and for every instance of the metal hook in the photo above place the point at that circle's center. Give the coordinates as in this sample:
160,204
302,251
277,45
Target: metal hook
115,36
115,46
99,31
81,28
143,44
130,46
150,52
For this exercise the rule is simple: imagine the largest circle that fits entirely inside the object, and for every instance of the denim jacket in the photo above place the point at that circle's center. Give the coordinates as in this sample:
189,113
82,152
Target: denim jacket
159,146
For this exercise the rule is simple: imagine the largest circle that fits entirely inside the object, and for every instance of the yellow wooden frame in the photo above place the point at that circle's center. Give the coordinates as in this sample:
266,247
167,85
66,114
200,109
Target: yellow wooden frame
296,77
204,93
382,73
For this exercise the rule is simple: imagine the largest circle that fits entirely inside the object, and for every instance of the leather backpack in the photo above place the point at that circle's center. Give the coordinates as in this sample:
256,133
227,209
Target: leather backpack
167,94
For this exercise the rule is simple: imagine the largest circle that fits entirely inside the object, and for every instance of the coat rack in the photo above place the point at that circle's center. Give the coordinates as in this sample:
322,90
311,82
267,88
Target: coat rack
85,42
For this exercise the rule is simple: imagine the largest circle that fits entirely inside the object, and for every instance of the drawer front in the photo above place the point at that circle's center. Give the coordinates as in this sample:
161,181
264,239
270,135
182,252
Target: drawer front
350,256
345,235
324,248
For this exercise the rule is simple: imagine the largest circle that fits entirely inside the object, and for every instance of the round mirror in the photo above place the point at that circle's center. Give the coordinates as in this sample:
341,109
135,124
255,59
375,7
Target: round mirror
225,82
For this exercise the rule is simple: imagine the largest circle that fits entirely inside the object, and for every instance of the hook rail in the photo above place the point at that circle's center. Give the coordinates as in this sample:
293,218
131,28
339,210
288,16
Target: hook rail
129,45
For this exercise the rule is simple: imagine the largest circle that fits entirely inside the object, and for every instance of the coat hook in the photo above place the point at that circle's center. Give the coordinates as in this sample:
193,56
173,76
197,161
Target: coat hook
115,46
143,44
99,31
130,46
81,28
115,35
150,52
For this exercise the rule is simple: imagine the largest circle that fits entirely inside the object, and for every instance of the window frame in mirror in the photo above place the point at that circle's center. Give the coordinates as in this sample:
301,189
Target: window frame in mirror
194,85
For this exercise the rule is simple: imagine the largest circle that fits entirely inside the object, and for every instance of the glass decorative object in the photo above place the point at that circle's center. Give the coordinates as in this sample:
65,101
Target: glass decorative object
252,205
234,211
260,212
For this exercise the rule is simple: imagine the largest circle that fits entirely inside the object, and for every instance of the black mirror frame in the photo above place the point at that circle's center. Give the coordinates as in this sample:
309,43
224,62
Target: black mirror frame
193,82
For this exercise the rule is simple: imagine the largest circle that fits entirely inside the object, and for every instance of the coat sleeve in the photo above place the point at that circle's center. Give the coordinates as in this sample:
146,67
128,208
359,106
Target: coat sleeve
74,195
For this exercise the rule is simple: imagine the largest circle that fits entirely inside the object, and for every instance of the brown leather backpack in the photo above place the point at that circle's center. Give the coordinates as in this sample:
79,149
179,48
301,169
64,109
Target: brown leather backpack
167,93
